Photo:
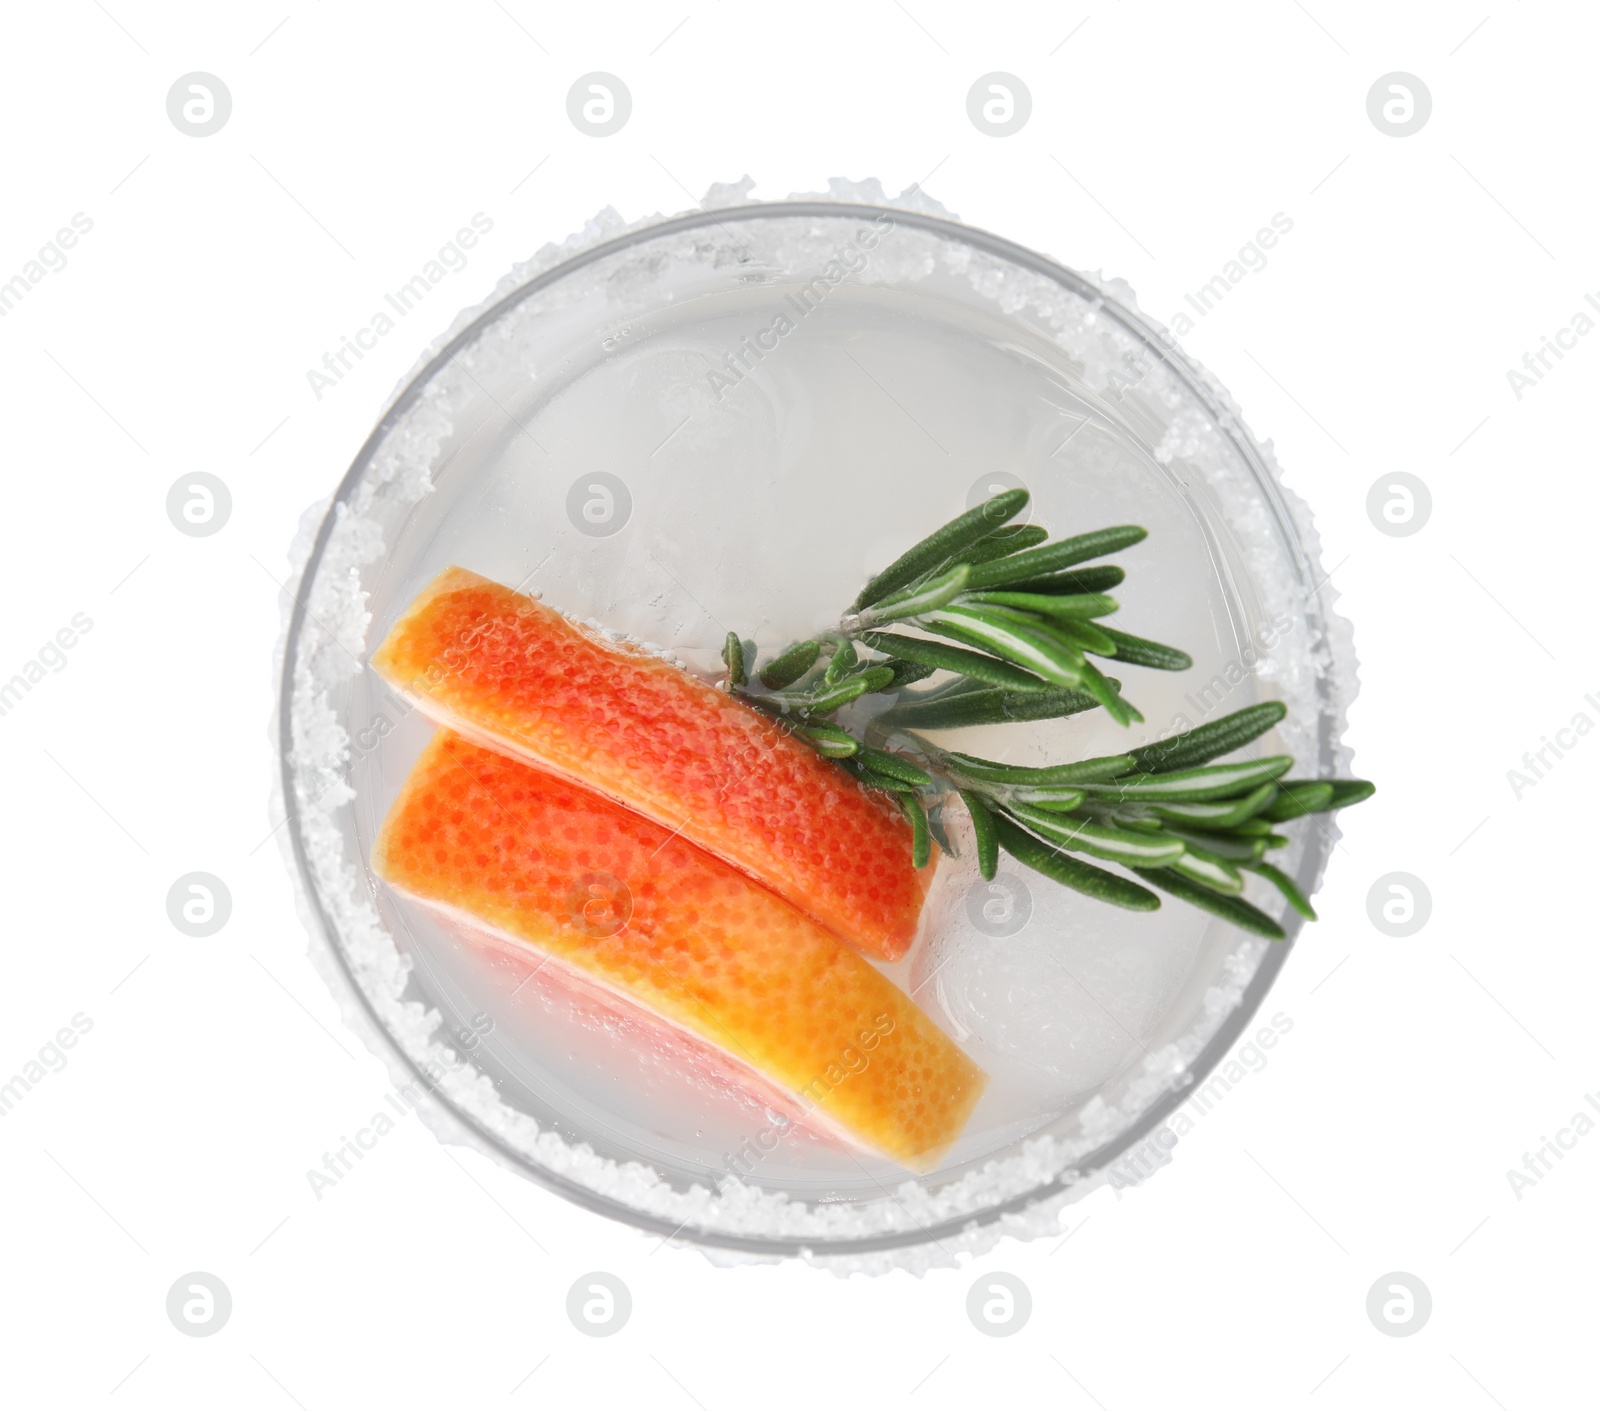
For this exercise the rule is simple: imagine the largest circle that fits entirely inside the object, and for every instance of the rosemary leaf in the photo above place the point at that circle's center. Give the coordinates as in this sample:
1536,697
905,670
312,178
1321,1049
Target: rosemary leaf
1095,579
947,689
943,544
947,658
917,816
1298,797
1250,828
905,672
1351,791
932,593
1226,813
1215,873
1086,637
1104,690
1073,605
1215,781
1229,908
1123,820
843,658
1207,742
983,829
998,612
733,659
1021,642
1034,563
985,706
1285,884
829,740
1055,798
887,782
1009,540
894,766
1085,771
1219,845
1099,839
988,771
826,698
830,698
1137,651
1080,876
788,668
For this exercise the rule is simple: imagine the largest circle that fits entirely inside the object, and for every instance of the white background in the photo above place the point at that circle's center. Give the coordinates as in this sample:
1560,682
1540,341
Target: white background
177,339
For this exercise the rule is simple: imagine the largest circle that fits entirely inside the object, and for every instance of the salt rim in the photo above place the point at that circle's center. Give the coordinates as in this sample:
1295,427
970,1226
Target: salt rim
321,750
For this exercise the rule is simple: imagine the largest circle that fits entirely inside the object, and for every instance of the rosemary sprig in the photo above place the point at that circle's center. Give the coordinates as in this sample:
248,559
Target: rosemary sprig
944,546
1018,621
980,704
940,656
1020,611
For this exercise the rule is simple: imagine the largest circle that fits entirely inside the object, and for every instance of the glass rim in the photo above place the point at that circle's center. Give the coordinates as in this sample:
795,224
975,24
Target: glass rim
1194,382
